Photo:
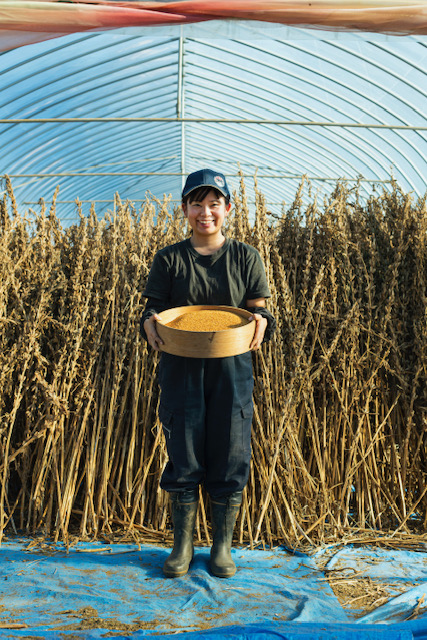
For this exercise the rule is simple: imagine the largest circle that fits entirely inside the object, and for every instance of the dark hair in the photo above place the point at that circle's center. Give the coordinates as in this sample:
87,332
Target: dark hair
200,194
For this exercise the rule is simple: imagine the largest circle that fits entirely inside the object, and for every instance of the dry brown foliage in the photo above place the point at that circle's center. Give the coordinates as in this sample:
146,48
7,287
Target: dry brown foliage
339,432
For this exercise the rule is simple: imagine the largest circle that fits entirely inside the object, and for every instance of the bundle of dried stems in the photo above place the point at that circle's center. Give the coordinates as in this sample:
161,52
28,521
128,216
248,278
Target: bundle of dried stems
340,426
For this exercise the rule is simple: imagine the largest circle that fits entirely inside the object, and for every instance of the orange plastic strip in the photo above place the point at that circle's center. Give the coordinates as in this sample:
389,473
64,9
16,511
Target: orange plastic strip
33,21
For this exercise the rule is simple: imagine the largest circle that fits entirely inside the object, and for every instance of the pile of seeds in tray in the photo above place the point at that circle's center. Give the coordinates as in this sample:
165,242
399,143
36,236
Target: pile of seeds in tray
207,320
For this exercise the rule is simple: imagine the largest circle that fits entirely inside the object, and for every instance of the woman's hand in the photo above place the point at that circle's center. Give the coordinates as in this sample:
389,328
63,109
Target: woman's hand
261,326
154,340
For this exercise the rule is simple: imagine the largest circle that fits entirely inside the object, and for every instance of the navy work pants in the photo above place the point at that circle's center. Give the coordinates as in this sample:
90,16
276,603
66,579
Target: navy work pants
206,411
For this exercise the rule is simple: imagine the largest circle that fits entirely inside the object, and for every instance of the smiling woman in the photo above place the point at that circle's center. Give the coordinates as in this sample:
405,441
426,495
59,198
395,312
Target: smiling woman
206,402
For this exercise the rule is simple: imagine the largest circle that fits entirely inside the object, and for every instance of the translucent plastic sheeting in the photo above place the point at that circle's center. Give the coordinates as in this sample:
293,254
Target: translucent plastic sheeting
238,77
119,590
34,21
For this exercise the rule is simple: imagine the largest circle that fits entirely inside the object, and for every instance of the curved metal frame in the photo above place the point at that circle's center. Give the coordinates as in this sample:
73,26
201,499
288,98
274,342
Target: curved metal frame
300,83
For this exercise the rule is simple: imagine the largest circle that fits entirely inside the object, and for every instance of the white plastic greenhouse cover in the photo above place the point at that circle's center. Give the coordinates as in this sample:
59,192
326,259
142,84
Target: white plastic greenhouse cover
278,100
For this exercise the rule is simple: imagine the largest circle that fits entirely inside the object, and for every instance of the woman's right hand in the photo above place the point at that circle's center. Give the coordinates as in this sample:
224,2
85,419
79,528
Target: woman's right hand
154,340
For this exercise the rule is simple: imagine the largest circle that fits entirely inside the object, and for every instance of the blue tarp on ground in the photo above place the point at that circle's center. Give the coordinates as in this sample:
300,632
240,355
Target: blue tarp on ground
98,590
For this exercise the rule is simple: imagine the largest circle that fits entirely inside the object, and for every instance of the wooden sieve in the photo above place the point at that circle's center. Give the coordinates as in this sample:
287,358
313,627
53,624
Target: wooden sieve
202,343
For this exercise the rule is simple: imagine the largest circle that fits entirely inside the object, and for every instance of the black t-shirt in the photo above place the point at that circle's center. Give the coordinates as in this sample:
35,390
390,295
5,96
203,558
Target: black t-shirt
181,276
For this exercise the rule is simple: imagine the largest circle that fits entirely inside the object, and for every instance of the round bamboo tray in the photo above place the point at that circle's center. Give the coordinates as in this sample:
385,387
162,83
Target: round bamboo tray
205,344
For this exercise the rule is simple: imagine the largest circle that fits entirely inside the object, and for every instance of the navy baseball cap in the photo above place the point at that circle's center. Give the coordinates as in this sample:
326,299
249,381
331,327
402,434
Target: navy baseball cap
206,178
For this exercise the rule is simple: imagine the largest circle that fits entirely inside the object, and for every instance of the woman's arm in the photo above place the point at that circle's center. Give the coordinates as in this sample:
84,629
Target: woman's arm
261,322
258,308
153,338
148,322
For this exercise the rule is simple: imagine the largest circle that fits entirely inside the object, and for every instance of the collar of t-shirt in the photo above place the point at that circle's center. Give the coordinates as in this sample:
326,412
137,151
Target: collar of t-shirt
212,257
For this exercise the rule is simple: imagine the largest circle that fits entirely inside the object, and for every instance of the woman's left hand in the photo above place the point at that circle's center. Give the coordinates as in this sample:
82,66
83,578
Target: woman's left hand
261,326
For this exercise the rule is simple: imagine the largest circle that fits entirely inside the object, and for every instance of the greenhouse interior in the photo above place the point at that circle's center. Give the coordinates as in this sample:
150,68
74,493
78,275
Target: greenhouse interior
315,114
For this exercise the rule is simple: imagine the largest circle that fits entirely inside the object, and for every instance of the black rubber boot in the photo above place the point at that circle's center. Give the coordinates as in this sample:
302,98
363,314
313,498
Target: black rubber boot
184,510
224,514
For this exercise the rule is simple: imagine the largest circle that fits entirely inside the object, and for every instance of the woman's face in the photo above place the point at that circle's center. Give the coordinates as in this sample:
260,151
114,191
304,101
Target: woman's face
206,216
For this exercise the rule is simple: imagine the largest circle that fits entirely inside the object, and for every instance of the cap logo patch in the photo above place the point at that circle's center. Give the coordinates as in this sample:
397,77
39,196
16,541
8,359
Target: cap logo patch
219,181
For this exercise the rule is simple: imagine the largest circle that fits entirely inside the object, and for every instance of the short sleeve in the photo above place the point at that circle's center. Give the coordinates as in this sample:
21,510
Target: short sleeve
257,286
158,281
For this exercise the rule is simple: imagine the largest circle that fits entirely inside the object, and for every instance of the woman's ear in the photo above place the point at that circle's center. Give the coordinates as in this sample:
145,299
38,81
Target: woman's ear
227,208
184,208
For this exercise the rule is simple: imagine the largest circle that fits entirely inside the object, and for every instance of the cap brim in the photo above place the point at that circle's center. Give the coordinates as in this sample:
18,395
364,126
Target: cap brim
208,184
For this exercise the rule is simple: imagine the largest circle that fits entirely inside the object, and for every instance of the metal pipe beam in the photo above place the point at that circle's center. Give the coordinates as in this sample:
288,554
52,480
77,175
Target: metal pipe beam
181,104
284,123
229,175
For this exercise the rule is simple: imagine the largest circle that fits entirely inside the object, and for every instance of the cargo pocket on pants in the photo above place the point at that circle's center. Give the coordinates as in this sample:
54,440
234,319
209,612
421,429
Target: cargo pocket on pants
166,418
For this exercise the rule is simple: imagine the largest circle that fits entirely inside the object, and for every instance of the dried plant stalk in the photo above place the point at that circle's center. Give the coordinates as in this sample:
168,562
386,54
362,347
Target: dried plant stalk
340,420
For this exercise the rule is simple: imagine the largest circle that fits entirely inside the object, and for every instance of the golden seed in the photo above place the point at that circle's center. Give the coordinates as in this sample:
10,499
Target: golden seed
207,320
